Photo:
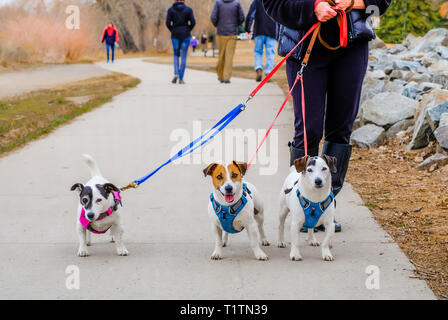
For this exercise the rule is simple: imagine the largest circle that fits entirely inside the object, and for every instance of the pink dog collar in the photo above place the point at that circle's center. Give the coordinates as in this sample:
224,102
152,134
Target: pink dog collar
87,224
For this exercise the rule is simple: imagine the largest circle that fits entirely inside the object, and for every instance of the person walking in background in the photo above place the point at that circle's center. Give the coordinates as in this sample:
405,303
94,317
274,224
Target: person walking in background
194,43
226,16
264,33
110,36
180,21
204,43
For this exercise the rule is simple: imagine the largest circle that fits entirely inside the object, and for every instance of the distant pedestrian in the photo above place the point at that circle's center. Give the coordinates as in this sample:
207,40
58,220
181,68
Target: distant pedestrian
180,21
264,33
194,43
110,36
226,16
204,44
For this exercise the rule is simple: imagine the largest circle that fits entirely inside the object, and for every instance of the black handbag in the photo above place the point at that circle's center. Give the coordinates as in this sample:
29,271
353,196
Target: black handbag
358,27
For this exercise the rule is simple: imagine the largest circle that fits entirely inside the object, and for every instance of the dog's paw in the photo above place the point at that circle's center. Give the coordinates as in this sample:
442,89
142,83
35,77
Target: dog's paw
122,251
295,255
216,256
326,255
82,252
314,243
265,243
262,256
281,244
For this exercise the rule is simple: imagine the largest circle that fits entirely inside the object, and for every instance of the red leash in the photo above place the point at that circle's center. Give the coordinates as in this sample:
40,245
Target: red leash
316,29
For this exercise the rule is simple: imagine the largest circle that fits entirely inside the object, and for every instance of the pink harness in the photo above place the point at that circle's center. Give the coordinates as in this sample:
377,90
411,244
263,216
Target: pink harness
87,224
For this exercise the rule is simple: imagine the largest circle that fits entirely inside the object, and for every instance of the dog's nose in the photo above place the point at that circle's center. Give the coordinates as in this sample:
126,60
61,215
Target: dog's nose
318,182
90,215
228,189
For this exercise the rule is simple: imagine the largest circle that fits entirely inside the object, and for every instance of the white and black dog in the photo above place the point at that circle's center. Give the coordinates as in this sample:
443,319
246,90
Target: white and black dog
235,205
307,194
98,210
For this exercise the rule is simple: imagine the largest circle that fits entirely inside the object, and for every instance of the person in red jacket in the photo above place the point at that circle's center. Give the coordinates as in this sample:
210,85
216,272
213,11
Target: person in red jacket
110,36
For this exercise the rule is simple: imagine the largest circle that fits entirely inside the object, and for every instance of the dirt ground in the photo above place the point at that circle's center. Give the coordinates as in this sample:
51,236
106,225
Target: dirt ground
37,113
411,205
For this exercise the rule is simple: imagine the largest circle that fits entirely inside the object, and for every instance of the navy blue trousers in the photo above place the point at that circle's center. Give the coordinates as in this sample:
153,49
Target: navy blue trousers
332,83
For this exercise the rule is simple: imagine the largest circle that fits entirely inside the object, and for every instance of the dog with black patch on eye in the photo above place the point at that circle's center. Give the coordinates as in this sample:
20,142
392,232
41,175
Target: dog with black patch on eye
307,195
98,210
235,205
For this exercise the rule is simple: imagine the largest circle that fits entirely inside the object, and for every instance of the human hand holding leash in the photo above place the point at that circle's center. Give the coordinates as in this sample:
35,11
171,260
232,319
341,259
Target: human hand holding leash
344,4
324,12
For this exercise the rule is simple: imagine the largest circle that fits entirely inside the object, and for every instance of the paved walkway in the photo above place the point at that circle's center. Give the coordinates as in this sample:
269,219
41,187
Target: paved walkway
12,84
166,225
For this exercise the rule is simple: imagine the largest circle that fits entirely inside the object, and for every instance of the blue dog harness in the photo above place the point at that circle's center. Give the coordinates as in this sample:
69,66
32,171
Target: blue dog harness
227,214
314,210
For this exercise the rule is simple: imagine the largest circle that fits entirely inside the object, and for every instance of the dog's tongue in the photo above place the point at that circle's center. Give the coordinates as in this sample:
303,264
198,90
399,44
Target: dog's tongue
229,198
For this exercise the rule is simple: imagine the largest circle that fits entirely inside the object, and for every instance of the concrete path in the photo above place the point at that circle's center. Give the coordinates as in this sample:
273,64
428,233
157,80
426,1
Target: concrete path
12,84
166,225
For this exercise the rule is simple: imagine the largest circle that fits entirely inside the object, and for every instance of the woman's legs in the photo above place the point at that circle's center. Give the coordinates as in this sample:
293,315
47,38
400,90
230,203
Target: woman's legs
176,56
315,85
112,47
345,77
107,50
183,54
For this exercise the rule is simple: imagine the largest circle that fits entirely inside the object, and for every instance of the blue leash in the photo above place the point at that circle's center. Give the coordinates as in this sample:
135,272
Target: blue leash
195,144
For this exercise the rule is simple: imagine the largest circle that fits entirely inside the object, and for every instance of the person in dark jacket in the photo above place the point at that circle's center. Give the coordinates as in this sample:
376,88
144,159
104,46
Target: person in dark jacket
333,78
180,21
110,36
264,33
226,16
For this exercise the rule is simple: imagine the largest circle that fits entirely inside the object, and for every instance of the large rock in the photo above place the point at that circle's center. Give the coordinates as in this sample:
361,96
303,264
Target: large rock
427,122
377,43
441,135
437,160
439,66
386,109
406,65
433,39
432,99
402,125
371,87
443,120
369,136
435,113
428,86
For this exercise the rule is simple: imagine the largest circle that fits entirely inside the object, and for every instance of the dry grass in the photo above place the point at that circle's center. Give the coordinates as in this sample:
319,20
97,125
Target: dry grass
37,113
410,205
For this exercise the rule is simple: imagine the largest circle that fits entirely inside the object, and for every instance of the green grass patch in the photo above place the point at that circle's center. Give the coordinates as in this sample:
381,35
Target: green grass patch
25,118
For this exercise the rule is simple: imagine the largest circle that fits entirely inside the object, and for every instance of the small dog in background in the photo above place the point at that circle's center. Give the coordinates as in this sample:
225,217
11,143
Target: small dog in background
235,205
98,210
308,196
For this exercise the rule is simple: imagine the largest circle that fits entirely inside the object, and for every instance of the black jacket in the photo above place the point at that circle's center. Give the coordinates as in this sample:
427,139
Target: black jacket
180,20
297,16
264,25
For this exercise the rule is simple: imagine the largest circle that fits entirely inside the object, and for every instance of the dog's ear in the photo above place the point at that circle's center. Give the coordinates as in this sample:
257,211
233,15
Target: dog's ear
242,166
332,163
109,187
77,186
301,163
209,170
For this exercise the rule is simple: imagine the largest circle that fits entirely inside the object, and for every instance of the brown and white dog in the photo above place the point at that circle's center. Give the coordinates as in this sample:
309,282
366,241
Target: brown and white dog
232,195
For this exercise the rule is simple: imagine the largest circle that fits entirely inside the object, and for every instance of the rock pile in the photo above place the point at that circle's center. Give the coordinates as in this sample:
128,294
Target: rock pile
406,89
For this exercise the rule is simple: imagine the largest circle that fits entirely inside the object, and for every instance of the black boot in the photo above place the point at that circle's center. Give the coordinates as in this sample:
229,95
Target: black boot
342,152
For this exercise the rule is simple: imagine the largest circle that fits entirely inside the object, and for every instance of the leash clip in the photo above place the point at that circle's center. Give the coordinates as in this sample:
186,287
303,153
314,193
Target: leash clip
245,103
300,73
132,185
